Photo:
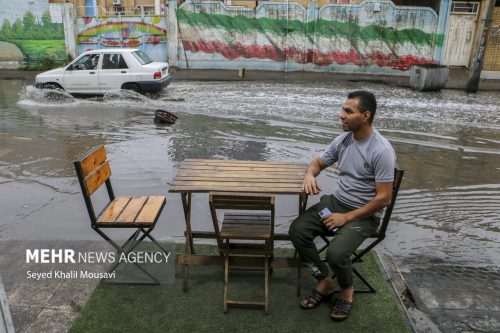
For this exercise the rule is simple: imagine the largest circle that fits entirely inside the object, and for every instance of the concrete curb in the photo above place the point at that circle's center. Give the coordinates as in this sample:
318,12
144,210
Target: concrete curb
417,320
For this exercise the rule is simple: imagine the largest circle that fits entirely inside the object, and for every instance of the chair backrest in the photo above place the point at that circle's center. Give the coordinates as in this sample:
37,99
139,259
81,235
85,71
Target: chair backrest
93,170
239,201
398,177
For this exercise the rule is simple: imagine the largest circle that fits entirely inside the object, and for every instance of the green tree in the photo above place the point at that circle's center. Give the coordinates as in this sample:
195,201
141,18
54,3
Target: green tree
6,29
46,19
29,21
17,28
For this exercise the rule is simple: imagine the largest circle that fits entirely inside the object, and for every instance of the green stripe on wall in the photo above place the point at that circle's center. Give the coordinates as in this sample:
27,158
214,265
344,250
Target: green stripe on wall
323,28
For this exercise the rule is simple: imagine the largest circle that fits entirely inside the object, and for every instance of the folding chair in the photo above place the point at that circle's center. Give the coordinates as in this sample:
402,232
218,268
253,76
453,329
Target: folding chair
134,212
242,222
378,236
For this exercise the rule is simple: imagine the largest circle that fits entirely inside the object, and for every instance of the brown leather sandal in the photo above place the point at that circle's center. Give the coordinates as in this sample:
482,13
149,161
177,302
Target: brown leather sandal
341,309
315,299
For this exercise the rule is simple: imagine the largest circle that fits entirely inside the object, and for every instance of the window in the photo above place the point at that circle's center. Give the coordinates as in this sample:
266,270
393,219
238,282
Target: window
434,4
142,57
87,62
119,10
113,61
149,10
462,7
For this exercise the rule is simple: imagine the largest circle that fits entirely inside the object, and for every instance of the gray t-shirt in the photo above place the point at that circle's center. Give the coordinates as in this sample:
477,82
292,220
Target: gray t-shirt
361,165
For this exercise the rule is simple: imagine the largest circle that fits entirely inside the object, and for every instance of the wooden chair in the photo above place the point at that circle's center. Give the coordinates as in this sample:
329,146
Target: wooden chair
242,222
377,237
134,212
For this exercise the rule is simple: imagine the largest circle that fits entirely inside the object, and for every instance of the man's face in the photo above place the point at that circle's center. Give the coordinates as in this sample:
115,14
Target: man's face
352,118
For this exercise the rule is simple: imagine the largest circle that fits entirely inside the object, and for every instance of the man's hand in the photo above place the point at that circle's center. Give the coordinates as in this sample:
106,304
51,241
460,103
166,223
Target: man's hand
310,185
334,220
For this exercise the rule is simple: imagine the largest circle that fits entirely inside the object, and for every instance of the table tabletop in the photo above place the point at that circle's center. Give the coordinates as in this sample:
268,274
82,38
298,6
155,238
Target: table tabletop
197,176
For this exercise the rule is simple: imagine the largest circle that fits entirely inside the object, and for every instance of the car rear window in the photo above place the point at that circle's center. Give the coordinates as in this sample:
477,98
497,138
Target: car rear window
142,57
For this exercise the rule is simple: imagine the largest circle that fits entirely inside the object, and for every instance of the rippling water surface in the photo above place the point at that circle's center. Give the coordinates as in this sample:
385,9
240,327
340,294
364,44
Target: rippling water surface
448,143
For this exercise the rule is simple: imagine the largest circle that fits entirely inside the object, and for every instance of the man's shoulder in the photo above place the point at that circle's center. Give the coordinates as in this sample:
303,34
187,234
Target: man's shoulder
380,141
343,138
380,146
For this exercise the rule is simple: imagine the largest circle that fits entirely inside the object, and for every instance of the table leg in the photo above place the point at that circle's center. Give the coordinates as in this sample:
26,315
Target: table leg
302,203
186,204
302,209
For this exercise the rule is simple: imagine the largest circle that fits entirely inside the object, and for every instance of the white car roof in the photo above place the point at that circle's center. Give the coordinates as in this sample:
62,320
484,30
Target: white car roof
112,50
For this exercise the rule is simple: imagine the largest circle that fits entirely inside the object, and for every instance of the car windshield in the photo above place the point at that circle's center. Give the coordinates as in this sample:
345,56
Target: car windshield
142,57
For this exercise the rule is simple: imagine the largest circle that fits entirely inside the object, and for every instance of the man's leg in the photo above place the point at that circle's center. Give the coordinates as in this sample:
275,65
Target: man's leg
347,239
302,232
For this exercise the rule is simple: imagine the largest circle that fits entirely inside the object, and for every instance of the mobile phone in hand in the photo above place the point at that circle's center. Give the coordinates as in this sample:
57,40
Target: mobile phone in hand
324,212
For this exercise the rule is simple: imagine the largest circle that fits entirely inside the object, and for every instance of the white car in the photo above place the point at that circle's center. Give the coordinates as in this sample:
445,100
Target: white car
99,71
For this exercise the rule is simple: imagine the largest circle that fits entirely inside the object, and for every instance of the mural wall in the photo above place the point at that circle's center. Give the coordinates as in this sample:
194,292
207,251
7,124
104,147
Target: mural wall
369,37
148,33
31,35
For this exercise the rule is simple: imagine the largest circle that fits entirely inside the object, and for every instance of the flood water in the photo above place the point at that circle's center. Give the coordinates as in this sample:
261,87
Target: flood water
448,143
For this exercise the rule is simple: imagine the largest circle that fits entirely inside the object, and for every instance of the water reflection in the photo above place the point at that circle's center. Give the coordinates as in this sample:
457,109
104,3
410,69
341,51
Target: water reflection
448,142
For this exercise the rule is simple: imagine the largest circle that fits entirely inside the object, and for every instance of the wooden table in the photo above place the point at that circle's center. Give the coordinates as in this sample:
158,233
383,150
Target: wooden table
203,176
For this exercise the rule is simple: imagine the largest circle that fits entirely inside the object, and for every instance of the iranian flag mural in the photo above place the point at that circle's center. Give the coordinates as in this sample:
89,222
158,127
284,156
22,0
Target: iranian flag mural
335,37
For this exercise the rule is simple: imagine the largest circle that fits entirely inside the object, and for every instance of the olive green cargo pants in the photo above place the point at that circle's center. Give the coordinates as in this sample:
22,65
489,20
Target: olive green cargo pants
346,240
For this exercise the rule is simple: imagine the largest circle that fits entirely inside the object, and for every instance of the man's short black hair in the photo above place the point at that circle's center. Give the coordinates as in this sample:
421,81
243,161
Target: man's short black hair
367,102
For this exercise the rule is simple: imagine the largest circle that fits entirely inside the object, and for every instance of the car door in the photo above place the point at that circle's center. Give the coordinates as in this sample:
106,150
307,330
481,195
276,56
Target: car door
82,77
114,72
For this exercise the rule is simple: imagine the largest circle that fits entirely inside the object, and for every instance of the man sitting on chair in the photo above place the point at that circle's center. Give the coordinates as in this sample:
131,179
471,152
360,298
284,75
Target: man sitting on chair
366,163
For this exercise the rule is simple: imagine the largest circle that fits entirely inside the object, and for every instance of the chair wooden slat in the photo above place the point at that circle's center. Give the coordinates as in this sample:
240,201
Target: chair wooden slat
133,208
113,210
150,210
97,178
94,159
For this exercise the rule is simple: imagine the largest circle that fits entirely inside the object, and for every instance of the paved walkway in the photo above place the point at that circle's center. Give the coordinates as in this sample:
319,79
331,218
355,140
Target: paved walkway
46,305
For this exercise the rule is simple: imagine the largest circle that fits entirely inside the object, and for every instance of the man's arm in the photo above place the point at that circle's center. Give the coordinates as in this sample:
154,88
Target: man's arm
382,199
310,184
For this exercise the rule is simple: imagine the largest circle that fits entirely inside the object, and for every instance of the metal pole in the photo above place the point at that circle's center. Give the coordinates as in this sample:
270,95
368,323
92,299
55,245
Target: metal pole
286,37
475,73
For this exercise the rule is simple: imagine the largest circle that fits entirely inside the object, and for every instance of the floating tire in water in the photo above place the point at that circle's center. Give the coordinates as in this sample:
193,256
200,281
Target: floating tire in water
164,117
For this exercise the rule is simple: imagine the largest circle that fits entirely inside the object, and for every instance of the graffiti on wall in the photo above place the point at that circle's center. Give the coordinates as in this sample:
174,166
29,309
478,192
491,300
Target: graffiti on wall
146,33
32,36
353,37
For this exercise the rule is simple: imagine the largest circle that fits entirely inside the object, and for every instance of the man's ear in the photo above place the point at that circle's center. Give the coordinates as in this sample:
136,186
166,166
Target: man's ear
367,115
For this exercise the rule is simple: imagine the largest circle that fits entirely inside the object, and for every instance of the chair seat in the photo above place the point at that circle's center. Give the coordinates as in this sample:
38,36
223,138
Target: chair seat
132,211
249,226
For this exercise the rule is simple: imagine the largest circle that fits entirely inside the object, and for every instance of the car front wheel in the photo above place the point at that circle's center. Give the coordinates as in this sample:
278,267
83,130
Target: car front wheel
51,85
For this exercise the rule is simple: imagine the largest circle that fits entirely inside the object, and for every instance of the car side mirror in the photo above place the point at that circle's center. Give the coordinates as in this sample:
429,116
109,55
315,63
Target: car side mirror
69,68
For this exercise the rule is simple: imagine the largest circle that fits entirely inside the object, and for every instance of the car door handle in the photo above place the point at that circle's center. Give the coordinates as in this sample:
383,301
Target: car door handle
123,72
91,72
